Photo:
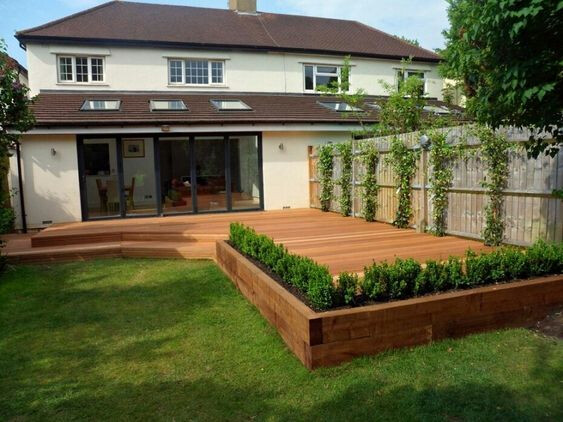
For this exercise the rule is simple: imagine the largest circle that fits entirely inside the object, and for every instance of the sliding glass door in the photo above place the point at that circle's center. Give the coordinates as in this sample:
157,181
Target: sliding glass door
245,172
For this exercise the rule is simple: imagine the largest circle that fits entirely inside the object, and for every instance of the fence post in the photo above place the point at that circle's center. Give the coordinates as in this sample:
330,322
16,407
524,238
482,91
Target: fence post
423,198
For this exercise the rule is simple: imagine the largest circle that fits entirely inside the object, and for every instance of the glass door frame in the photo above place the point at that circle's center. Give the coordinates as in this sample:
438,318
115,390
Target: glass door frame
190,136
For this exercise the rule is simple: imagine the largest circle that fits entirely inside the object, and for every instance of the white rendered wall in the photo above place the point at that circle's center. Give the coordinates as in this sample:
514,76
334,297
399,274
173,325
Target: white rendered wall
286,171
146,69
50,182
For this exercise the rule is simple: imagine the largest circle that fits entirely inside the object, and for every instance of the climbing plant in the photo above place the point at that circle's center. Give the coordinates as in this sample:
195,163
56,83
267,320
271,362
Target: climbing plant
403,161
370,188
441,157
495,153
345,182
325,168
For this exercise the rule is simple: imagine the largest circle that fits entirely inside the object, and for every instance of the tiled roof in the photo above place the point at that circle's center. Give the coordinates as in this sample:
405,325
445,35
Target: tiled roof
142,23
56,108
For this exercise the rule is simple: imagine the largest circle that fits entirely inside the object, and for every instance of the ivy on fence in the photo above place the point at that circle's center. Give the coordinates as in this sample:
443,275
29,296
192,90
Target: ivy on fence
345,182
441,157
494,150
403,161
325,168
370,188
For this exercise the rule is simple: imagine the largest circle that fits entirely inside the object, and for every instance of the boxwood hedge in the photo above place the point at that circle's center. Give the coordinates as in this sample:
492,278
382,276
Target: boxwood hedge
405,278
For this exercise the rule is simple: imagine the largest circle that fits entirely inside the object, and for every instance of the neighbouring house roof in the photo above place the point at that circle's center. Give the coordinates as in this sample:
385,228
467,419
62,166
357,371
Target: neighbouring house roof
182,26
63,108
16,65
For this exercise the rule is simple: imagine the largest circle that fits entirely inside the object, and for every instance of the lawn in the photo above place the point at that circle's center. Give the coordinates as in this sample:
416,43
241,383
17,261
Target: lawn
174,340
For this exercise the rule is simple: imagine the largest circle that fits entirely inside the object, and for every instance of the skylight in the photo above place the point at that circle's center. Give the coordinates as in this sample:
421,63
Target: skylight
339,106
436,109
375,106
167,105
101,105
230,105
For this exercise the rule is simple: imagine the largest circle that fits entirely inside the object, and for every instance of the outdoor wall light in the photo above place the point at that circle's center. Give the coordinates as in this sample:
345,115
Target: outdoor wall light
165,128
281,146
53,152
425,142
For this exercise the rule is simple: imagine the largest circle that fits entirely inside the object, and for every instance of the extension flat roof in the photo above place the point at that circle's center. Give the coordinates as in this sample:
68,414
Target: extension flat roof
133,23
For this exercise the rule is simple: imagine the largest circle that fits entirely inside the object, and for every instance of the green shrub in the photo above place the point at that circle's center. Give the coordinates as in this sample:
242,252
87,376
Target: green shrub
404,278
7,219
347,289
312,279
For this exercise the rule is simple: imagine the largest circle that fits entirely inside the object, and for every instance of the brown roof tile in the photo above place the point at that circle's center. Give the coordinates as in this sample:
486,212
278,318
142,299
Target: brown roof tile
141,23
58,108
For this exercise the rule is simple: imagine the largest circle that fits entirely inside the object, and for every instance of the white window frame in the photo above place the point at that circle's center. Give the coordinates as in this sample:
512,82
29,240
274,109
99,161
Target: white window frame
406,75
73,65
209,72
316,73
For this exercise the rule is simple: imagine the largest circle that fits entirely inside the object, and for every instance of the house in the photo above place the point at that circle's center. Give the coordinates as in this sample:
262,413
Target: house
146,109
21,71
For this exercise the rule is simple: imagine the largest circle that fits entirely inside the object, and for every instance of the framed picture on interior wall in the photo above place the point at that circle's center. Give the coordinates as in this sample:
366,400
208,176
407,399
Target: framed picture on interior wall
133,148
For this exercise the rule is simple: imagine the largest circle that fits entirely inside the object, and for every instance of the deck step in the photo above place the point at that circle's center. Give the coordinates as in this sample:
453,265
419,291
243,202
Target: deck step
189,250
128,249
57,240
64,253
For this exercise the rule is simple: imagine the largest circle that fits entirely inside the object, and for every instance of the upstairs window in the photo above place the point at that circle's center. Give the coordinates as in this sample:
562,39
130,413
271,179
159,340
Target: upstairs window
403,75
196,72
321,75
81,69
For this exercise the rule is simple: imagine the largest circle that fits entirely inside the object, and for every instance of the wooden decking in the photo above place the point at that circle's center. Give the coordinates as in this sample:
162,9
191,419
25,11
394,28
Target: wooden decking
344,244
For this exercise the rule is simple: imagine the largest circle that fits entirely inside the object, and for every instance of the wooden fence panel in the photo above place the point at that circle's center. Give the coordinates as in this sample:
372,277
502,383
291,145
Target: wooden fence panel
531,211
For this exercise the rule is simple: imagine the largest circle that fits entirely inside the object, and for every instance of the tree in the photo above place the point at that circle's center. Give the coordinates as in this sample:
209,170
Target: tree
15,117
508,55
412,41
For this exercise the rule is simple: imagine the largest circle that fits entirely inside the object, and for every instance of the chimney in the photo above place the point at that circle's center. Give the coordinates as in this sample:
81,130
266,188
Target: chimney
243,6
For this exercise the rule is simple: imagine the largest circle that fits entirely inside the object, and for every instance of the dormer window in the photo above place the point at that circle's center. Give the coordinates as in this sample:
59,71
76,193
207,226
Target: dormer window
196,72
80,69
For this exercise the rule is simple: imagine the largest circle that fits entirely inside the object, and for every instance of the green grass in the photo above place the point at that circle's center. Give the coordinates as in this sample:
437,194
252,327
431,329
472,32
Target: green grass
174,340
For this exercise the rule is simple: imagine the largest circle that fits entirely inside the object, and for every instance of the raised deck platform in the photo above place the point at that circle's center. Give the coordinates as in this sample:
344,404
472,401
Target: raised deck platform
344,244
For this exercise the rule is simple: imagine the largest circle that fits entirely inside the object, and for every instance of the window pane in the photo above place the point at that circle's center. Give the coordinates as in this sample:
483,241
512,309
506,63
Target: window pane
245,172
97,70
211,180
65,69
104,105
217,72
326,80
327,69
230,105
167,105
309,85
175,175
175,71
82,69
197,72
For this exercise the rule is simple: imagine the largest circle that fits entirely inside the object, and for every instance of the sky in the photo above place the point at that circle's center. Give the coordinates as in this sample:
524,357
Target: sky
423,20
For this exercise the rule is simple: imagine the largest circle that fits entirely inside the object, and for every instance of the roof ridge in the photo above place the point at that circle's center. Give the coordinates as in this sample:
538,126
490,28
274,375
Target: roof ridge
397,38
64,18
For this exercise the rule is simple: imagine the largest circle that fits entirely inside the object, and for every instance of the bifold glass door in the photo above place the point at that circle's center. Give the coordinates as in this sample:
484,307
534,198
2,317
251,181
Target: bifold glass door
166,175
100,178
